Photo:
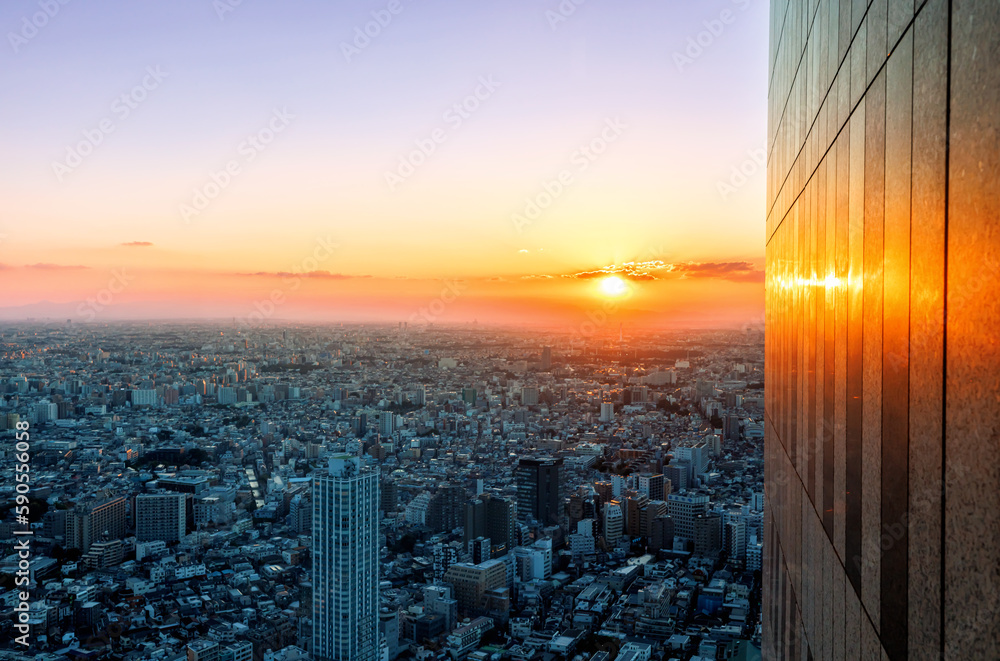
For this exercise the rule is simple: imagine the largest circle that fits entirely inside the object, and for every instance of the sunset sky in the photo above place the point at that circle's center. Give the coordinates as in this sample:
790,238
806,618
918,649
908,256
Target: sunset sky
392,170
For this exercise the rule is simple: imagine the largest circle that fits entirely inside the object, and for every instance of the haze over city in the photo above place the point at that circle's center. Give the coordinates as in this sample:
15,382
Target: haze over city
525,330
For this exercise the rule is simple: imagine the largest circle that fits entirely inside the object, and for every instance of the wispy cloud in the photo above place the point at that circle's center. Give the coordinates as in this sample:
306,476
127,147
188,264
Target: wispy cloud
659,270
326,275
736,271
55,267
137,244
627,270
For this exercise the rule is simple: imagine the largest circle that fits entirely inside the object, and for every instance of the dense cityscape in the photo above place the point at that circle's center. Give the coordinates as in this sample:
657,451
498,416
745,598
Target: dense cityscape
390,330
220,492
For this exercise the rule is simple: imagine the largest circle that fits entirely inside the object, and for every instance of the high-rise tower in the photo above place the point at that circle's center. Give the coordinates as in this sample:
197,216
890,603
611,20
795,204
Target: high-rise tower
160,516
345,562
494,518
882,504
539,489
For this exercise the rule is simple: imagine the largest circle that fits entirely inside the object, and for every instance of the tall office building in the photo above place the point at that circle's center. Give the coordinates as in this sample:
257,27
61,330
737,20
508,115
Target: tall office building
582,505
707,533
613,521
386,423
649,512
633,508
651,485
345,562
677,475
475,520
472,582
684,510
438,600
446,510
494,518
695,455
661,533
539,489
389,497
546,358
160,517
605,490
442,557
480,549
92,522
882,489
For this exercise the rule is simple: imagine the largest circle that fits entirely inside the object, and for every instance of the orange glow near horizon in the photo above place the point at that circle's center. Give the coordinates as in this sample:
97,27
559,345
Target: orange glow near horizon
671,298
581,173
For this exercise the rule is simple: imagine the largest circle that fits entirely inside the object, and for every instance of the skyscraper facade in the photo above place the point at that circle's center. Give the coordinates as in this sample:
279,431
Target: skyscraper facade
684,510
386,423
651,485
345,562
446,510
472,582
494,518
882,496
93,521
539,489
160,517
501,522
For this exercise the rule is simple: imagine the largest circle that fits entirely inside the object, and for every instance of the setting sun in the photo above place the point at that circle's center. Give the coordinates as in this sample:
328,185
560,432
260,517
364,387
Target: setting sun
613,286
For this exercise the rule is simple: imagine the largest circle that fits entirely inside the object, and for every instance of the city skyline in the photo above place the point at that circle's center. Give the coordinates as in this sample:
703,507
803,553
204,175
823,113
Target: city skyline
183,157
544,329
190,492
